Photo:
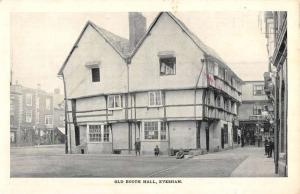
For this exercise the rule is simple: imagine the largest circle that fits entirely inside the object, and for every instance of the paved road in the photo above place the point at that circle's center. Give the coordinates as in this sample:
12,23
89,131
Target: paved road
51,162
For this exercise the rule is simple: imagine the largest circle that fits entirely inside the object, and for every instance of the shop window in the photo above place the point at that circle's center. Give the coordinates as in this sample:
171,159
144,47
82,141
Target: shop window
95,134
98,133
106,134
151,130
155,130
163,131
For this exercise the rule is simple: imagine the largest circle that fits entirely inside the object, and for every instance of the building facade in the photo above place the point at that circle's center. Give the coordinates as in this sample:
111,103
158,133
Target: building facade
171,90
276,83
31,116
254,125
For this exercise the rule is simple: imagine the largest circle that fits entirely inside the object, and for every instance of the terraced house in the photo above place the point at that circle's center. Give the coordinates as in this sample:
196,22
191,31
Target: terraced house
163,86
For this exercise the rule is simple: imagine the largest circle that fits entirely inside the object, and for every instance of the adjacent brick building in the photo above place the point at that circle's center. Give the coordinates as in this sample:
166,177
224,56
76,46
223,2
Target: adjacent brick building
31,116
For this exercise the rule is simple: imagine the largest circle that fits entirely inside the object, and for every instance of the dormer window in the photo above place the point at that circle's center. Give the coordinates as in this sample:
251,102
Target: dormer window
167,62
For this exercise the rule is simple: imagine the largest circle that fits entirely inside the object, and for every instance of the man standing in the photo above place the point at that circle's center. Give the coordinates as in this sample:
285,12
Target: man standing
271,147
266,146
137,146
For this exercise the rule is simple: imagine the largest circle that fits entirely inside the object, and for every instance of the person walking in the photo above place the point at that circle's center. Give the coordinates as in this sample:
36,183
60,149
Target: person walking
271,147
266,143
137,146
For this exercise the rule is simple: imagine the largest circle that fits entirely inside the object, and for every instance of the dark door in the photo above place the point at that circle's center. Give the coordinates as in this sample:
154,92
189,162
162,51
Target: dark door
222,138
207,138
198,135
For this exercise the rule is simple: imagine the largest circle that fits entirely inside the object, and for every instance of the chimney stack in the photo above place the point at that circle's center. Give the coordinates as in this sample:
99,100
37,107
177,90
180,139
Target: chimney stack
137,28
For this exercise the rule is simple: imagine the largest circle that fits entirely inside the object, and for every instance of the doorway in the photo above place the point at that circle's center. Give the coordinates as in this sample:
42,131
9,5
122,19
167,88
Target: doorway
222,138
207,138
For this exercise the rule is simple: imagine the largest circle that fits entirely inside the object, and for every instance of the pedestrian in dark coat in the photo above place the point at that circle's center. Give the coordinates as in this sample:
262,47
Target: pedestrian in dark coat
156,150
271,147
137,146
266,146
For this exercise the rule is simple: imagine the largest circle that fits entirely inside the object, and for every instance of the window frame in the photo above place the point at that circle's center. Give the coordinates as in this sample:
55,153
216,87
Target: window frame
113,97
27,113
255,90
92,74
167,57
155,98
27,95
103,127
255,109
46,104
160,124
48,117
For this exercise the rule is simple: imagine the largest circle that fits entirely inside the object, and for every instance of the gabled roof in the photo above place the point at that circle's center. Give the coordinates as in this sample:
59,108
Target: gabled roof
203,47
119,44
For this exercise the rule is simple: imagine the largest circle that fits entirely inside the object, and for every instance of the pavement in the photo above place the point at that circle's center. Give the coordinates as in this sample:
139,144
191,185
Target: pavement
256,165
50,161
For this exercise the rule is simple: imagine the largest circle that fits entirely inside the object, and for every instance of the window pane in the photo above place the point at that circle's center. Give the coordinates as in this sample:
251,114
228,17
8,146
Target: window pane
151,130
95,133
151,96
117,101
167,66
110,102
158,98
163,131
95,75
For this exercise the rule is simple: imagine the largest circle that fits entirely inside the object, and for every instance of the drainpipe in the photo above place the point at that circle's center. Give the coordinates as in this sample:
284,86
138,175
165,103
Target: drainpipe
66,114
195,98
276,131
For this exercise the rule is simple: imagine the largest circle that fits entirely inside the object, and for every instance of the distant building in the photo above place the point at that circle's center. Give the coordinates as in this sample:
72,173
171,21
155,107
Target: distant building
276,83
31,116
251,120
171,90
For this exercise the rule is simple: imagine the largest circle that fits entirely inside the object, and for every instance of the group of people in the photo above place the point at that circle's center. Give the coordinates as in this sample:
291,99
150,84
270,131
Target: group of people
137,146
269,146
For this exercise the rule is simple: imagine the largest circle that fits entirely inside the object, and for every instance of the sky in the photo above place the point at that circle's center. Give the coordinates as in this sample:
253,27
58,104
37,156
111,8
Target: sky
41,41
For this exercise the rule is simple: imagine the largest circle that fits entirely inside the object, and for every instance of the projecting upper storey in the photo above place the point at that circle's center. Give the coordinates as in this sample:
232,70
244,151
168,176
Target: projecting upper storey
168,56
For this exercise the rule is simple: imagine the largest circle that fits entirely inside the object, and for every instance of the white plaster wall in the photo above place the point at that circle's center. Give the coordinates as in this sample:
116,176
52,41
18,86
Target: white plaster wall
120,135
166,35
99,148
182,134
92,47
